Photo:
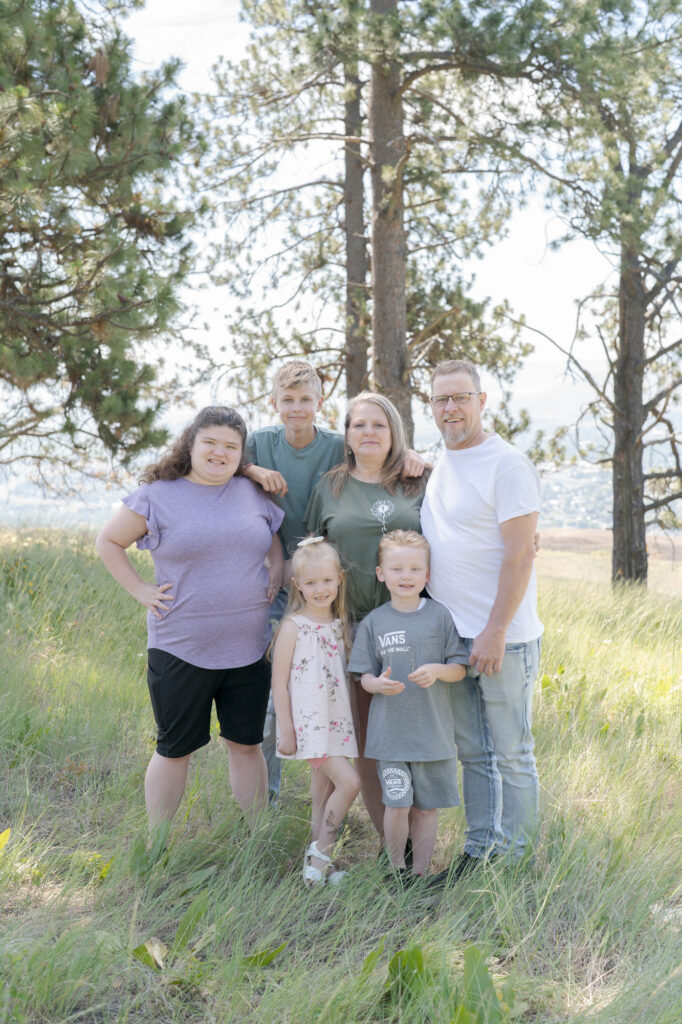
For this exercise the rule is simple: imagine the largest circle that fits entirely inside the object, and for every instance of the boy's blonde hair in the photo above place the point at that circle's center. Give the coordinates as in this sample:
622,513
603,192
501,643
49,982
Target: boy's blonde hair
307,554
295,374
403,539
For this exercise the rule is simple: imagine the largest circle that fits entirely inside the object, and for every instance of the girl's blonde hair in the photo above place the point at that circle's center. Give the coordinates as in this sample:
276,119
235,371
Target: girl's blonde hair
307,554
392,471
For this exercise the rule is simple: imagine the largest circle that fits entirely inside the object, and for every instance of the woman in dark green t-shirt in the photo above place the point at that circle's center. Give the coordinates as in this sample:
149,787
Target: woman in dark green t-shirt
354,504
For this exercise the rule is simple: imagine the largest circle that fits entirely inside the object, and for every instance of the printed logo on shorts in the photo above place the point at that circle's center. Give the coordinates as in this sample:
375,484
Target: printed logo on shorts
396,783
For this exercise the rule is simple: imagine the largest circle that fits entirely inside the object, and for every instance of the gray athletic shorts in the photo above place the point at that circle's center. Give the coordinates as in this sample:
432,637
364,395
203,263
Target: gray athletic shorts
425,785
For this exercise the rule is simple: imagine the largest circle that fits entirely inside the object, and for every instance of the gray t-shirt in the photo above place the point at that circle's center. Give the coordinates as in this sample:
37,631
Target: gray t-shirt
300,467
210,543
417,724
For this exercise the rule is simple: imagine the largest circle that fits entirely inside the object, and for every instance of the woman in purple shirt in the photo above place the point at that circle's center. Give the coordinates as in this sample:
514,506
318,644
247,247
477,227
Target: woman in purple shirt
209,531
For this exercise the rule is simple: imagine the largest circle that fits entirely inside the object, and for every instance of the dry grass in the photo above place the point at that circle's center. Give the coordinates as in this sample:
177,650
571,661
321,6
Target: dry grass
589,933
586,555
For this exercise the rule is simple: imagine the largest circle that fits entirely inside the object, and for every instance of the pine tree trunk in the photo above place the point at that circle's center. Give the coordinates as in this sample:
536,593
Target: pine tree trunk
357,343
388,151
629,561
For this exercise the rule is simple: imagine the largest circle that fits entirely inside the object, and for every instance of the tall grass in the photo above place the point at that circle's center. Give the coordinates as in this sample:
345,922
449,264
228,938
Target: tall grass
589,932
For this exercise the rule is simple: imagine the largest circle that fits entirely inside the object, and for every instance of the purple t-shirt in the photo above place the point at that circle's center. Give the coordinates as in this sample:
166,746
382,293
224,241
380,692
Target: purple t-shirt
210,543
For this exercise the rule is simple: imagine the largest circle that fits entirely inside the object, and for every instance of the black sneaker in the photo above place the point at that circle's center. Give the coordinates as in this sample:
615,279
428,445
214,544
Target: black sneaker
382,856
402,878
464,865
438,881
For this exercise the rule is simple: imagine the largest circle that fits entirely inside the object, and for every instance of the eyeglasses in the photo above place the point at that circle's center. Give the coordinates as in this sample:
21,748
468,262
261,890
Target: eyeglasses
440,401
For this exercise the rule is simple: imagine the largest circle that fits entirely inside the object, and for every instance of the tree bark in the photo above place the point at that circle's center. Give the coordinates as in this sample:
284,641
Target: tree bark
357,342
629,559
388,155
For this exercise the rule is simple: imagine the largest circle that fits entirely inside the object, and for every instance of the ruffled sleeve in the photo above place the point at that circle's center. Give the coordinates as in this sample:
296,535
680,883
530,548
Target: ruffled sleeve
140,501
273,514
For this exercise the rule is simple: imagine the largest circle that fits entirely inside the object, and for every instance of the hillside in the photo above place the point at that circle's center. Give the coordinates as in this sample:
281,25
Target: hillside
586,555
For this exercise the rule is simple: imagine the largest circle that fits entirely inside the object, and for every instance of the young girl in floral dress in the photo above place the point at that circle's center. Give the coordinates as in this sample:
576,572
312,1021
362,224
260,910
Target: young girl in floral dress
310,693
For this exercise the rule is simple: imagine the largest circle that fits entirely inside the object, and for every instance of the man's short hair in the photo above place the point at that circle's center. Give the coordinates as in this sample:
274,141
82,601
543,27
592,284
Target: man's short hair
295,374
403,539
457,366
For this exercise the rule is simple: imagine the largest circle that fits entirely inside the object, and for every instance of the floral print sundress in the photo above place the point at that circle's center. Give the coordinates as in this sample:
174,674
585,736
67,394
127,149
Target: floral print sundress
320,703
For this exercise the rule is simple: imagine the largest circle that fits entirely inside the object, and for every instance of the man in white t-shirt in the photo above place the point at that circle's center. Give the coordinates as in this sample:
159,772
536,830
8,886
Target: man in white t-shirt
479,515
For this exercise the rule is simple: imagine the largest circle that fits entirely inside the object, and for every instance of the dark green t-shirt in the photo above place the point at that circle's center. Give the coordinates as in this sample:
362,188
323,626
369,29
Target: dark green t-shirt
300,467
355,522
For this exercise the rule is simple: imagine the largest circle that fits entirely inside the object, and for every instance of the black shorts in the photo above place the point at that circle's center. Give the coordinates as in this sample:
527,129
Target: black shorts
182,696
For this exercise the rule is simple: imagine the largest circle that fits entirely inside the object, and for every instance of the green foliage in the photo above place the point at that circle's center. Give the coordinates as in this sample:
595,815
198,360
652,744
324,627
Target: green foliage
413,974
603,132
279,181
264,957
480,998
93,233
11,1003
591,930
407,974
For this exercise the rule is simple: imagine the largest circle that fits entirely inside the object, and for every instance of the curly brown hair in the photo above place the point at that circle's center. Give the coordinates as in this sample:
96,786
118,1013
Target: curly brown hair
177,461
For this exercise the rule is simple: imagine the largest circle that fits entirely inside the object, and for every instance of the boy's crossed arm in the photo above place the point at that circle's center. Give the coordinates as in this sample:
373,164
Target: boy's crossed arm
381,684
426,675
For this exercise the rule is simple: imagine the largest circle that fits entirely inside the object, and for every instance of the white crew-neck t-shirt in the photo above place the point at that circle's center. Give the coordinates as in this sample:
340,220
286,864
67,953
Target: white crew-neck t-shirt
469,494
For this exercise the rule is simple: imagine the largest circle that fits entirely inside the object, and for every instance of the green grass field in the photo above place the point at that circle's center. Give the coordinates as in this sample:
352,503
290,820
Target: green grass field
592,931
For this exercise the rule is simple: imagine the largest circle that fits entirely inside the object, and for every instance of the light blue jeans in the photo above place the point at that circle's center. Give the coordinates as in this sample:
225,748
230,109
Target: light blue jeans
269,744
495,746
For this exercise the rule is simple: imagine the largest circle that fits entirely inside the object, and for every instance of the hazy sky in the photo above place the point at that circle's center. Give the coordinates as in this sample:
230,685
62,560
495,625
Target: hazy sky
542,285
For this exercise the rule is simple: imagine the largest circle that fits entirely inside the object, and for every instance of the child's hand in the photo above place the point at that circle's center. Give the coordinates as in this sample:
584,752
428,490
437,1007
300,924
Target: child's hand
287,742
425,675
382,684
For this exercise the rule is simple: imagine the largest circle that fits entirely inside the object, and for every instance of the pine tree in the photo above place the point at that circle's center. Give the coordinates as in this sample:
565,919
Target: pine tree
605,132
93,234
291,169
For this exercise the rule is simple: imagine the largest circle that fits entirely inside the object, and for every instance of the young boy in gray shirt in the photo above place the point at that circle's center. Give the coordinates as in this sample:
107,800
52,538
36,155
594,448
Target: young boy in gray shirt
408,654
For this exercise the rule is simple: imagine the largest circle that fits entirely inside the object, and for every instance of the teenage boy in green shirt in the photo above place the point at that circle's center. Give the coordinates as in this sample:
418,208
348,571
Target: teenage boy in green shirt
287,459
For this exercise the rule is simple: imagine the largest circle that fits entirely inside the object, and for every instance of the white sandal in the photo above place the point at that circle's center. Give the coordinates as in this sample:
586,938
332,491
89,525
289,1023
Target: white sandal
313,876
334,877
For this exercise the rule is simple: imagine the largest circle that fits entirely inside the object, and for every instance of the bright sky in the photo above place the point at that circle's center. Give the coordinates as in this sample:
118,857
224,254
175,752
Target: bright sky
542,285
